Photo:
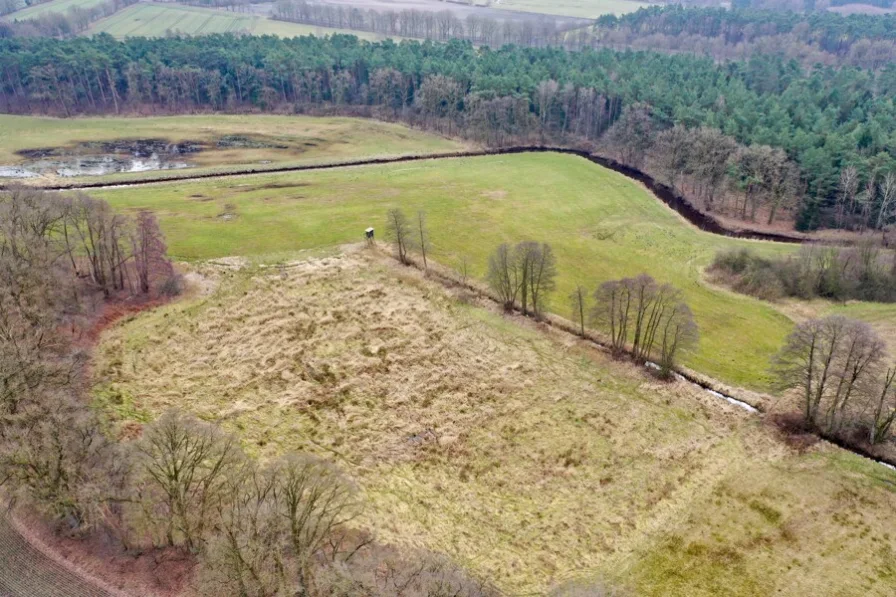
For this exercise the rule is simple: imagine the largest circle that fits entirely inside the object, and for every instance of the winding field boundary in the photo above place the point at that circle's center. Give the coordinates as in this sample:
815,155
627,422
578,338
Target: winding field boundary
666,194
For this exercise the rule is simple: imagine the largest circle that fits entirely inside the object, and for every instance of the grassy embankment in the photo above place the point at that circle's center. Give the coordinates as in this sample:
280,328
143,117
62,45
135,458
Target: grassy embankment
528,457
601,225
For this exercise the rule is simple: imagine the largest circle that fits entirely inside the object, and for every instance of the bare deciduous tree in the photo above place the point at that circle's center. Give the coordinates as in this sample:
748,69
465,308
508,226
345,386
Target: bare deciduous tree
579,300
541,276
848,188
504,275
884,413
314,500
671,153
887,200
54,453
149,250
398,230
185,465
679,331
423,243
613,302
248,555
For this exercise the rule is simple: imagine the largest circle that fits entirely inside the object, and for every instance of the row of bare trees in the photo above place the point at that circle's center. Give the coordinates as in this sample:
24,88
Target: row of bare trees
523,276
408,235
836,365
61,259
427,24
645,319
873,206
706,165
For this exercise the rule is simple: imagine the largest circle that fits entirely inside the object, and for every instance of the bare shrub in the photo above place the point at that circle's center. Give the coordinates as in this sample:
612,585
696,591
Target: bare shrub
380,571
864,272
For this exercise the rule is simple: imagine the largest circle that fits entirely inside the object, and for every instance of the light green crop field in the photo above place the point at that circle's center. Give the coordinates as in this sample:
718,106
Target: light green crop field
601,224
38,10
280,140
157,20
527,456
589,9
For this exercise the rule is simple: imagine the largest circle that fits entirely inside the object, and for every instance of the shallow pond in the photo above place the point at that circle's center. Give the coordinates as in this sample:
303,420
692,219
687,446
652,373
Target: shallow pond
100,158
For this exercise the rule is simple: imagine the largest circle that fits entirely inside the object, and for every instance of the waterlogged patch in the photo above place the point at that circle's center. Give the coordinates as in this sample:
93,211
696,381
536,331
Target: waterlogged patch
104,157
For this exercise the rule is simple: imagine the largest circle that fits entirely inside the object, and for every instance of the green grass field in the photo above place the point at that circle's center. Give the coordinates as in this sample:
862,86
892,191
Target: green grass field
525,455
601,225
588,9
301,140
157,20
47,7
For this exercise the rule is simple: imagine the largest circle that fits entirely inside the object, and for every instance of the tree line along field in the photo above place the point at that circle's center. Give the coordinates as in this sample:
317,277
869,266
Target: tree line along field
573,8
529,458
157,20
278,140
601,225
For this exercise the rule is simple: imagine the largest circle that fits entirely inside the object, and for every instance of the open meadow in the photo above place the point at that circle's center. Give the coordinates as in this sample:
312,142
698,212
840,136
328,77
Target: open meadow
525,455
157,20
225,142
601,224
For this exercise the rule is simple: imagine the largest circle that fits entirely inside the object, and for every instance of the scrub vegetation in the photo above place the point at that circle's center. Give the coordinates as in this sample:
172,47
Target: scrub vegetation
530,458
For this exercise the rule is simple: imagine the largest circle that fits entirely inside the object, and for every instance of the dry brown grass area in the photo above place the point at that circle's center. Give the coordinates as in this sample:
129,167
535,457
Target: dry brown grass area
526,455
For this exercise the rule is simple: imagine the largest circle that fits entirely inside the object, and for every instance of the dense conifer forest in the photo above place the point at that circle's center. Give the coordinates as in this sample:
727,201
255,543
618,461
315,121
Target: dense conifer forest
815,141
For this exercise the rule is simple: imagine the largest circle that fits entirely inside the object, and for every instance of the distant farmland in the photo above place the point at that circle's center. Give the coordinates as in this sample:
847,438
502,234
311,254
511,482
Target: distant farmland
156,20
39,10
573,8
